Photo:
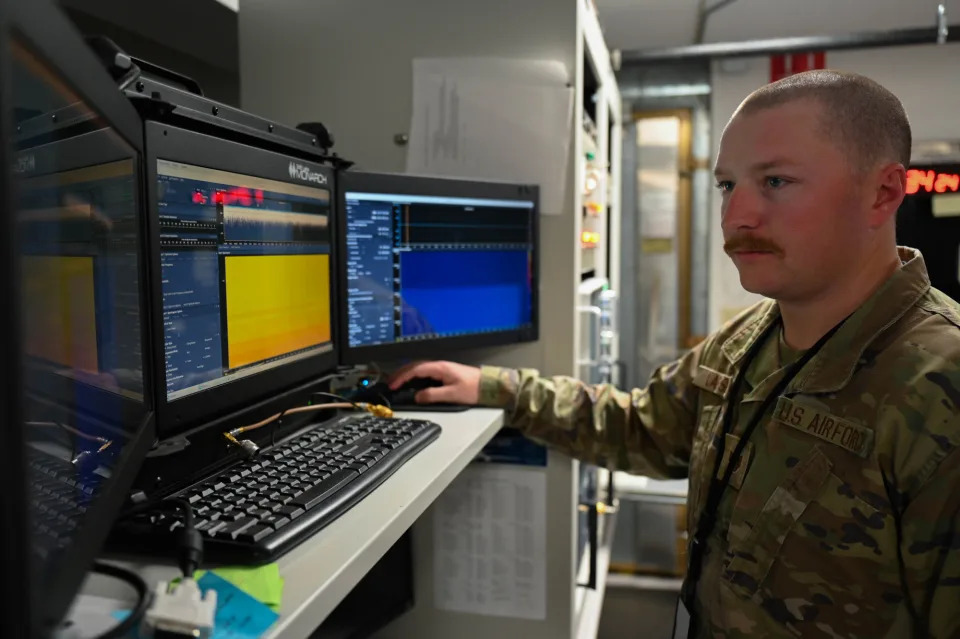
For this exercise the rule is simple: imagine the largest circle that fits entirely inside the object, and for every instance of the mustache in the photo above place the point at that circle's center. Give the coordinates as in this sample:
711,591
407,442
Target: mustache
751,243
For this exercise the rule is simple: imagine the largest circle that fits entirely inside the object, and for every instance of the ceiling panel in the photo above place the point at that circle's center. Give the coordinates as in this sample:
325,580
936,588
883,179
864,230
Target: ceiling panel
643,24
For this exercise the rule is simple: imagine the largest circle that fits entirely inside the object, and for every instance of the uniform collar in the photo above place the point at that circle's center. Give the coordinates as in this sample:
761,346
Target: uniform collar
834,365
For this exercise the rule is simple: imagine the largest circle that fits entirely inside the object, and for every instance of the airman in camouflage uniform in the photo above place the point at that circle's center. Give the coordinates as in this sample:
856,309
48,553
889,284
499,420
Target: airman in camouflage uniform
856,470
841,517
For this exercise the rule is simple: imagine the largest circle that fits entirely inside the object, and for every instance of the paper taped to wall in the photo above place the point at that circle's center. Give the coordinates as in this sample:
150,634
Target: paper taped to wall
494,119
490,543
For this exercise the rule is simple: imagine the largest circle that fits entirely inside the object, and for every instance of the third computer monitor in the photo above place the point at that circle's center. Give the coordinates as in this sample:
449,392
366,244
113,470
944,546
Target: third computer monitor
434,264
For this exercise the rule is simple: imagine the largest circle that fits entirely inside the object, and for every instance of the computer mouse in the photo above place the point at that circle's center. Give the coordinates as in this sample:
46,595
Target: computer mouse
406,395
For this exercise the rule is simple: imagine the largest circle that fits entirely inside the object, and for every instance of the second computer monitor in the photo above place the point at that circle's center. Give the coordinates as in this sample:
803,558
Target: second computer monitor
434,264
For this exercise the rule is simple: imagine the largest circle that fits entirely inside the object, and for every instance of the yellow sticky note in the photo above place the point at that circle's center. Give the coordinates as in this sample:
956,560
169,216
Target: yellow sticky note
263,583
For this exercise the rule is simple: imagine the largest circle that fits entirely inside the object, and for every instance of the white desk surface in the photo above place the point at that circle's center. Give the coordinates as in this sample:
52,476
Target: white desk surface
322,570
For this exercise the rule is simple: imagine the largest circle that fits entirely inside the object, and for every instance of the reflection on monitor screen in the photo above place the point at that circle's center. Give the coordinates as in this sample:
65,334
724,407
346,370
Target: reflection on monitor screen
79,269
425,267
245,266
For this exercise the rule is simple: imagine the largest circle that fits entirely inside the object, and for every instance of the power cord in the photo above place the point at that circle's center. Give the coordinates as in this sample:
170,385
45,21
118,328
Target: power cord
143,598
191,542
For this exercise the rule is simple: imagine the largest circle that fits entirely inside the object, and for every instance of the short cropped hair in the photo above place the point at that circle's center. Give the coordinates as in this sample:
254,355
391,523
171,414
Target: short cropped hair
867,119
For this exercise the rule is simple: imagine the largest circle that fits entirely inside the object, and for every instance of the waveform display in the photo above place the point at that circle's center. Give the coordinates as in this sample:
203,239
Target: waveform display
276,304
461,292
245,224
59,310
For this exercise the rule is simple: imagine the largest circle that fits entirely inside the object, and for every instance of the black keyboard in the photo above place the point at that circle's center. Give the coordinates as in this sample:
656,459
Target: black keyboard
262,507
59,498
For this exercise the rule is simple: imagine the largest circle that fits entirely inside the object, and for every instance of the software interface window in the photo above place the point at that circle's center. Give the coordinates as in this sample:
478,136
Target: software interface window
81,307
421,267
245,266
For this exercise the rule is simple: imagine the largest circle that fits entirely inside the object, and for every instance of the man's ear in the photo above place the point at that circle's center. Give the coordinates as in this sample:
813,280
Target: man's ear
891,187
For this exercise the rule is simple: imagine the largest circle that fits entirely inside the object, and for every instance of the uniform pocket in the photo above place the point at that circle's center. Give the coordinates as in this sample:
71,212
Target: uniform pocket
814,523
753,558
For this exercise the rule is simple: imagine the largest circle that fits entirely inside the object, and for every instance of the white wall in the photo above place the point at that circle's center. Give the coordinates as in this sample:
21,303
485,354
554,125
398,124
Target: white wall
925,78
349,63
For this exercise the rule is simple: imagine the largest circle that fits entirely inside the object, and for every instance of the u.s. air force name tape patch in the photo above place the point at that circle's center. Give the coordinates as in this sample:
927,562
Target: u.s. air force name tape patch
830,428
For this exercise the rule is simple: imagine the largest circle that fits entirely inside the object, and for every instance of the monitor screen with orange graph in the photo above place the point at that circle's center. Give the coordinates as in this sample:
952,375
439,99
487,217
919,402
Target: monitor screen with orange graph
245,274
79,275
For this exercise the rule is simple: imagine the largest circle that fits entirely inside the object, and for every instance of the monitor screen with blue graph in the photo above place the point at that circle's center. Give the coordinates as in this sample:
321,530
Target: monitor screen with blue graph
426,267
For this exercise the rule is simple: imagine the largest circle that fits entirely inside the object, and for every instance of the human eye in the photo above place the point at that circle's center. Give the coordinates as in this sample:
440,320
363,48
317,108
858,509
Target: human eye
774,181
724,186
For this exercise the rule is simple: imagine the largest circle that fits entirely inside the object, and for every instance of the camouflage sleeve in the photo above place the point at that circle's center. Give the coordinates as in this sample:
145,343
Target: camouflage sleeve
647,431
930,548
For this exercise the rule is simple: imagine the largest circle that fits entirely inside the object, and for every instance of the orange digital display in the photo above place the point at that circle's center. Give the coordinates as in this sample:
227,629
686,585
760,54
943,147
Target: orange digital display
930,181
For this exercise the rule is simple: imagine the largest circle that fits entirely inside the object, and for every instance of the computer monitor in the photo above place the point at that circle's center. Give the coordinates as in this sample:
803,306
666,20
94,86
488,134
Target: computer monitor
242,257
434,264
73,154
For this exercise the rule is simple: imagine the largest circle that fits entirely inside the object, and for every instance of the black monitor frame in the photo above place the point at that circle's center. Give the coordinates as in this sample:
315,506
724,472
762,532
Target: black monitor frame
167,142
391,183
16,607
42,25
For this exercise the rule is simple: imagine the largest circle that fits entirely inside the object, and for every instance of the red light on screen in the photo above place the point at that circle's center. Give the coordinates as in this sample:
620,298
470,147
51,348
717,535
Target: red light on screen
931,182
199,197
241,195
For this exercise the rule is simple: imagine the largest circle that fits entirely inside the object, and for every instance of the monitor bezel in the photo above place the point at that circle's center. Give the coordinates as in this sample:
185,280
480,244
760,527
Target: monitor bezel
401,184
167,142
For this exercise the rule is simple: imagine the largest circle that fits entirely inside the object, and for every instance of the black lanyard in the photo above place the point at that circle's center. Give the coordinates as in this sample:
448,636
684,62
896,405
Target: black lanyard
707,520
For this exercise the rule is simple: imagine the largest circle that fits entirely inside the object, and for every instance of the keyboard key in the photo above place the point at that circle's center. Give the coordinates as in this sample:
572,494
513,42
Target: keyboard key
210,528
234,528
324,489
194,498
291,511
275,521
253,534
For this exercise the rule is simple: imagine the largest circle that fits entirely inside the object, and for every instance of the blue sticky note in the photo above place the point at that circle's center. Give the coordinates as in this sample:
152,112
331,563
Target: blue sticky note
239,616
